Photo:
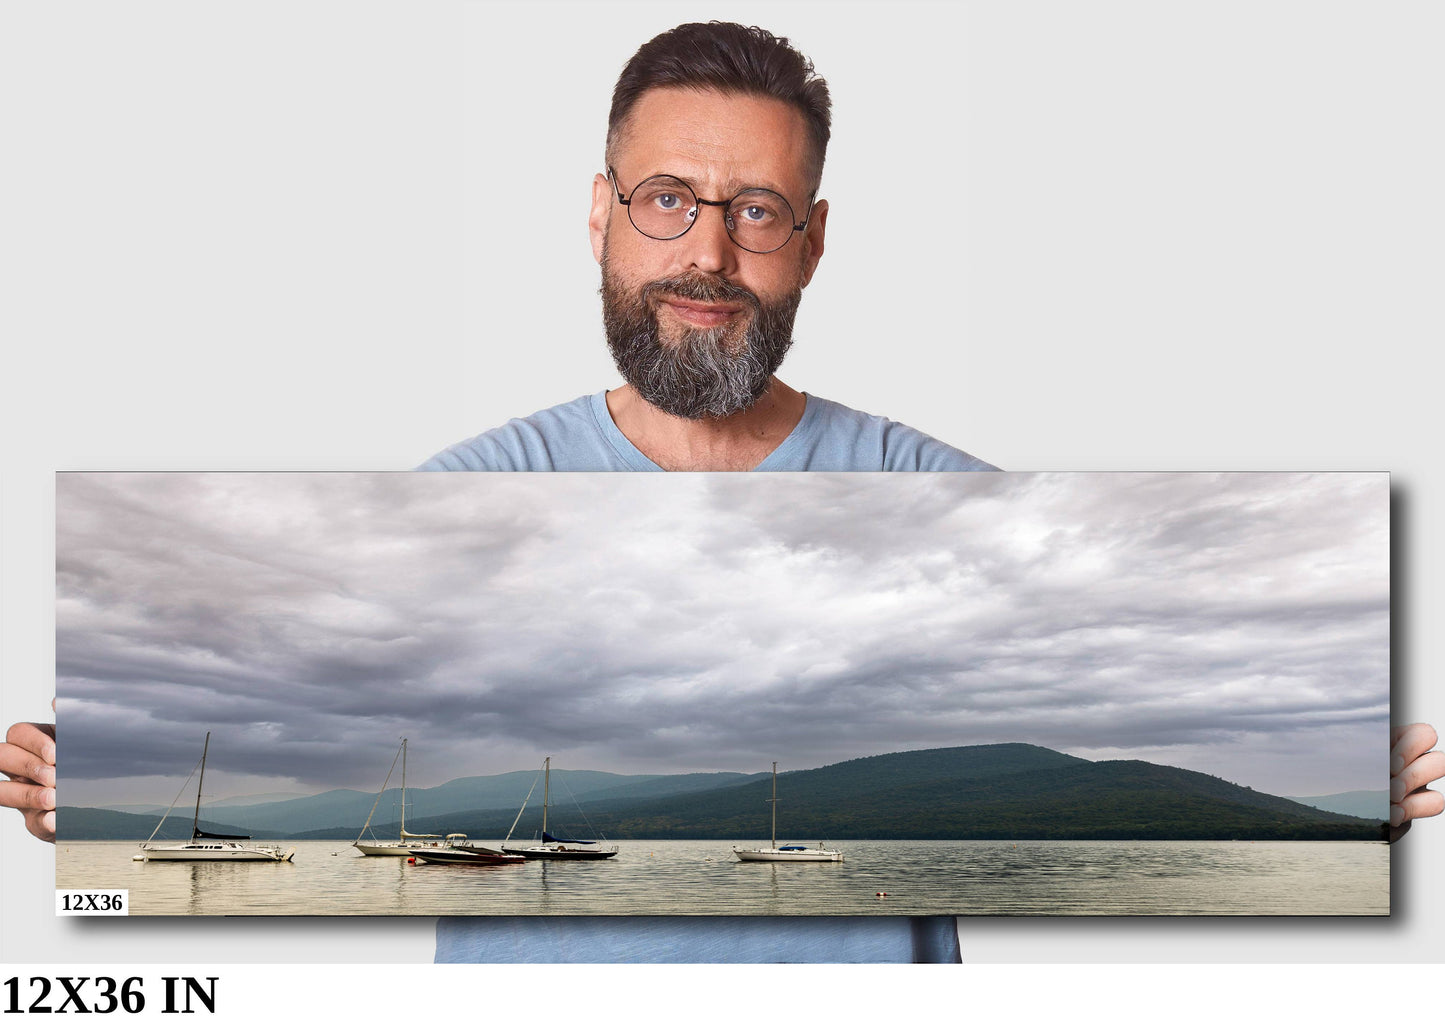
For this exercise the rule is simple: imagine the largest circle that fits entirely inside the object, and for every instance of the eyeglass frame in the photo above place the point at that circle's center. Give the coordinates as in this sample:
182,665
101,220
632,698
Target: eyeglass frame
724,203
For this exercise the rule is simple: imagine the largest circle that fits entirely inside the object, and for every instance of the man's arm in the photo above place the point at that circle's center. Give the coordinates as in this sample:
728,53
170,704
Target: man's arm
28,758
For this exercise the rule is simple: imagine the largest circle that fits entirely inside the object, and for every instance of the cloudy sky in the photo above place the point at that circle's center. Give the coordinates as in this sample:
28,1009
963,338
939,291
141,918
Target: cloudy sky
1235,624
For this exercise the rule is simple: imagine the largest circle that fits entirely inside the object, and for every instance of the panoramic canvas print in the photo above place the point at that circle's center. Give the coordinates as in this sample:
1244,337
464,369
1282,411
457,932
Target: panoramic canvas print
724,694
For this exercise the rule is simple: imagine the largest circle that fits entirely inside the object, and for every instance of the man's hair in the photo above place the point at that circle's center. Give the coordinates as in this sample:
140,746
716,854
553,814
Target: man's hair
730,58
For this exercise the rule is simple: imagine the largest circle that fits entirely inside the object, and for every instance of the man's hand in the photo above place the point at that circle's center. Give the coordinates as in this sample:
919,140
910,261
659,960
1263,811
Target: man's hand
1413,767
28,758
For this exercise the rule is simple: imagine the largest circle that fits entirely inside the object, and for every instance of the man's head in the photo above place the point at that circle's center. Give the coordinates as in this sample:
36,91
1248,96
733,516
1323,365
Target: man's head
731,59
698,317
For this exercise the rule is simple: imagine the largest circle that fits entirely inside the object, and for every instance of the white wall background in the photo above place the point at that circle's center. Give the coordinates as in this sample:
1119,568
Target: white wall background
1115,235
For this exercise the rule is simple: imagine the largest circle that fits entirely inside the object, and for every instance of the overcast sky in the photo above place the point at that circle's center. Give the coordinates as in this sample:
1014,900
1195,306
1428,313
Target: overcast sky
1235,624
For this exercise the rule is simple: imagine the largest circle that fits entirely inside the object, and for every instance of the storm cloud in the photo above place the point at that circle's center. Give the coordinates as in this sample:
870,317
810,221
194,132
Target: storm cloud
1232,623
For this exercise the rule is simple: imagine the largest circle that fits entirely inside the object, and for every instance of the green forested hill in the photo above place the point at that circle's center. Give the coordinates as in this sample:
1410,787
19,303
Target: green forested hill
996,791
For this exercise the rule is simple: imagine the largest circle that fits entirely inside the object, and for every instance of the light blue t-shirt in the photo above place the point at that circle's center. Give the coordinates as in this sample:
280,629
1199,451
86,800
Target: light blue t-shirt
580,436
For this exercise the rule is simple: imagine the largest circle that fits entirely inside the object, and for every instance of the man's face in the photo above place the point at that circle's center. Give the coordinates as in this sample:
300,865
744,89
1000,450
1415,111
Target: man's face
697,324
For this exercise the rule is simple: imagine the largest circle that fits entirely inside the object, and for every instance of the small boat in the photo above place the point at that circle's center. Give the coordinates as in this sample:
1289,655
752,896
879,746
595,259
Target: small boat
553,847
787,852
466,854
402,846
206,846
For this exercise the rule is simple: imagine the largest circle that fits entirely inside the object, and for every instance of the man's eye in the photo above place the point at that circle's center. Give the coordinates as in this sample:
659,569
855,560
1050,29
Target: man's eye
668,201
754,212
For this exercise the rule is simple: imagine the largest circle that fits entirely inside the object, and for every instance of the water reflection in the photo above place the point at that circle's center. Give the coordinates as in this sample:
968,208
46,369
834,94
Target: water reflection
701,877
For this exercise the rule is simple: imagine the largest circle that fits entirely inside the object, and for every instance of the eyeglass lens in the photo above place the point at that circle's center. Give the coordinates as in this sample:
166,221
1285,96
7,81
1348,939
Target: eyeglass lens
663,207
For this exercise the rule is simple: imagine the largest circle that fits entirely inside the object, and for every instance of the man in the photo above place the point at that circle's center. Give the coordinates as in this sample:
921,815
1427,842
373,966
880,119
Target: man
707,228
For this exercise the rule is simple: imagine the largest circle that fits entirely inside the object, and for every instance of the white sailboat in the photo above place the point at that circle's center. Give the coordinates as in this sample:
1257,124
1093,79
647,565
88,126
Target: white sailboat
552,847
787,852
209,846
407,843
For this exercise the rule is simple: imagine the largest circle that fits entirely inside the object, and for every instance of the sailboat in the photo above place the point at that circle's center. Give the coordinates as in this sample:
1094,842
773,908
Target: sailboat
552,847
406,844
787,852
209,846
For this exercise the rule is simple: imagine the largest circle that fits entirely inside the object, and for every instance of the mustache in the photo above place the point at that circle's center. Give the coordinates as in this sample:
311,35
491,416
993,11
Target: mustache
701,288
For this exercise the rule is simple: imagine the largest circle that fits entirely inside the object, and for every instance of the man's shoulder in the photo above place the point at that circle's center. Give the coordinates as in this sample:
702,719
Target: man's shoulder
580,436
567,436
832,436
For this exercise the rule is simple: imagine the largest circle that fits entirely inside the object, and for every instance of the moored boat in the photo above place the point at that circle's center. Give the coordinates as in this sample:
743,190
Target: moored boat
206,846
466,854
552,847
402,846
787,852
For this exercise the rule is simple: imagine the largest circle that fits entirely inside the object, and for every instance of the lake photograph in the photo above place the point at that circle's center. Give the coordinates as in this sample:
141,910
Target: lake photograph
725,694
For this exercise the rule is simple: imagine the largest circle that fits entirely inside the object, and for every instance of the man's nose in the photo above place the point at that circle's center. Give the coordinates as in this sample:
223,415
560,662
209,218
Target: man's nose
706,245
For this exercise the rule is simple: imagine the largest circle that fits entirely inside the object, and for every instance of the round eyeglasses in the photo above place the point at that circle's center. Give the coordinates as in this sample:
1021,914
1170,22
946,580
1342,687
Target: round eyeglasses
665,207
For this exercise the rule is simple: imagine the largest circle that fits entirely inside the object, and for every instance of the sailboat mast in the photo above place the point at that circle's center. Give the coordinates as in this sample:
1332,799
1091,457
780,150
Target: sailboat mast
546,792
196,821
774,802
403,788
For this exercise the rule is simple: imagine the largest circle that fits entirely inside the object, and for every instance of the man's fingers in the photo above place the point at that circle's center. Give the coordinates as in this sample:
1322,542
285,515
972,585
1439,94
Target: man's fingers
28,758
1421,805
1418,774
41,825
1408,743
27,797
37,738
25,766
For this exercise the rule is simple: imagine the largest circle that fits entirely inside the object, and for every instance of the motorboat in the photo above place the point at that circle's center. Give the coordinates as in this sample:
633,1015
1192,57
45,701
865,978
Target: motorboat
466,854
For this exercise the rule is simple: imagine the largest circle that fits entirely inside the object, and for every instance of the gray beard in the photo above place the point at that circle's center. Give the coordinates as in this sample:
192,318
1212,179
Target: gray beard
705,373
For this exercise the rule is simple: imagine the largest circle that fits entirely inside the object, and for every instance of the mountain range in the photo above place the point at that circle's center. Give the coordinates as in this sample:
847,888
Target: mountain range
995,791
1367,804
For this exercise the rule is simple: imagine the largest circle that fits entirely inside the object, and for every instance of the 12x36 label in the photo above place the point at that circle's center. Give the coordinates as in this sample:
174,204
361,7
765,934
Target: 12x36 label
92,902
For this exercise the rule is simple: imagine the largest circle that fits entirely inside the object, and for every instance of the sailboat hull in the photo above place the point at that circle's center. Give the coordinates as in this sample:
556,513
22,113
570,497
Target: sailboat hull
781,854
384,849
217,852
562,853
394,848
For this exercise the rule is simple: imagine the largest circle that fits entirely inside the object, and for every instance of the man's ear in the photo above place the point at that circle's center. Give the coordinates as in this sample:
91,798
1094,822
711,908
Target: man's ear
601,210
813,239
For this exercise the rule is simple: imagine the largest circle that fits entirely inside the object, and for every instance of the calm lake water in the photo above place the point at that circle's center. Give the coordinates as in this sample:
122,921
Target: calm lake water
701,877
